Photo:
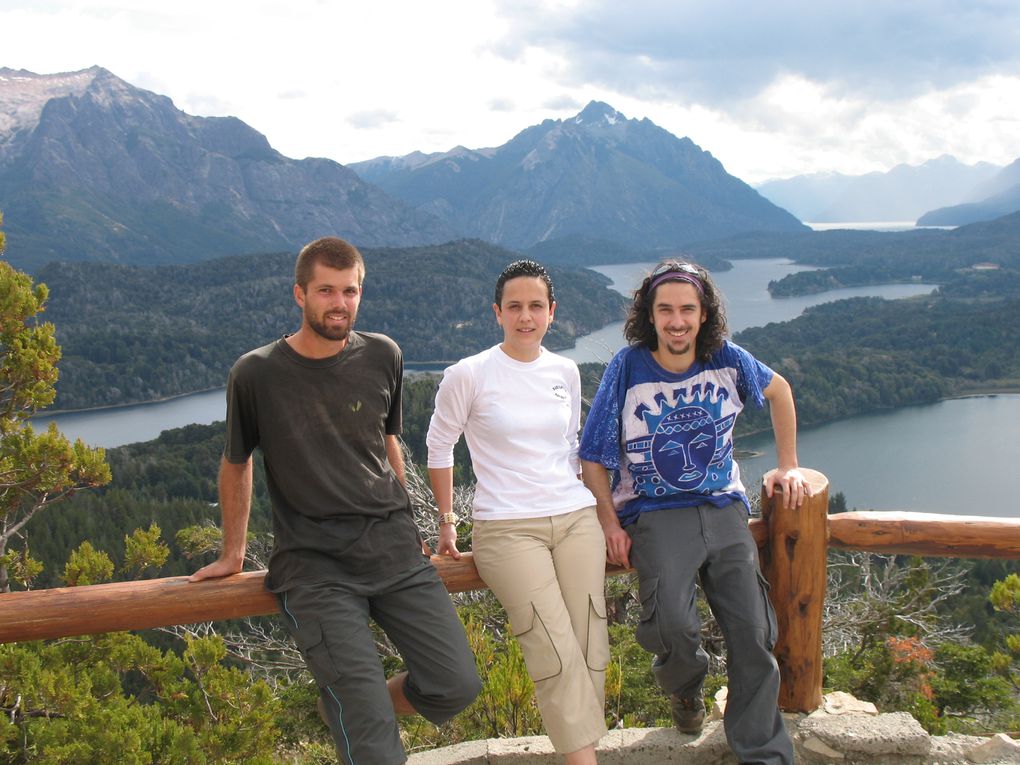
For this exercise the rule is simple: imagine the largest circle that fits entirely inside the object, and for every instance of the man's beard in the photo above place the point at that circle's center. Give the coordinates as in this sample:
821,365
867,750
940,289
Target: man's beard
679,351
333,334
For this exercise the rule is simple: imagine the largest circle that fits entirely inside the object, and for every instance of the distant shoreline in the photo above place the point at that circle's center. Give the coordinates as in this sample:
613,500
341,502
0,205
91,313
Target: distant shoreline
974,392
90,409
971,392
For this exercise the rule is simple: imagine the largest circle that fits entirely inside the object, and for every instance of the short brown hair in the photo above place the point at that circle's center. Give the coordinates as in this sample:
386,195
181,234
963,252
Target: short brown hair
330,251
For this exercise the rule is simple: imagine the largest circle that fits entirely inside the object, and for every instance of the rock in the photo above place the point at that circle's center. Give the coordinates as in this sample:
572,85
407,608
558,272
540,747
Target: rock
527,750
953,748
999,748
719,706
822,738
866,738
816,745
841,703
465,753
662,745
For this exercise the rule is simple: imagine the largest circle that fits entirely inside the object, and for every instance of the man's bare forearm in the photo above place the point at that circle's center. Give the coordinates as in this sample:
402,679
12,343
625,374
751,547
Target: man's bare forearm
235,503
235,481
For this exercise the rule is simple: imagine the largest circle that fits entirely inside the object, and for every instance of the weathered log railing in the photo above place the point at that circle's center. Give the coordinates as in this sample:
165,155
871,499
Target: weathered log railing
793,544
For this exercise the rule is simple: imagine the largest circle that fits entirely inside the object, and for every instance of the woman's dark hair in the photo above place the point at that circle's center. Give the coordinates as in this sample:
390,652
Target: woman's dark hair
523,268
638,329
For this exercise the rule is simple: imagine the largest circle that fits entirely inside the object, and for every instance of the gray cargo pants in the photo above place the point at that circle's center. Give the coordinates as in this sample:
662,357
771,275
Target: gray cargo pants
330,622
671,549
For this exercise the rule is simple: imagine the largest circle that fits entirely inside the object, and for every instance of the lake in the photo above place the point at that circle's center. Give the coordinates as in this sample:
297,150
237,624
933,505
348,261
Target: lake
748,304
938,458
953,457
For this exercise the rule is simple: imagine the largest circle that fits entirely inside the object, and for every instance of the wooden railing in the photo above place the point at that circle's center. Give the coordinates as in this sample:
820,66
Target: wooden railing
793,545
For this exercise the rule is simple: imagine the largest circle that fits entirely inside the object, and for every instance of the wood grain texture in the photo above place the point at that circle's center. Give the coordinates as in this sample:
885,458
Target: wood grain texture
794,563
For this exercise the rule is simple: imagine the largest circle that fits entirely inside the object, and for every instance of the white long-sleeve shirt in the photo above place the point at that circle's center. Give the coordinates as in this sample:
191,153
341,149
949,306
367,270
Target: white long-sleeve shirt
520,421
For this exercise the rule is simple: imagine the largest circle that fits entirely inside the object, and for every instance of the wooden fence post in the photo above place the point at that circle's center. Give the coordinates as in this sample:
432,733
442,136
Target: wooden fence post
794,562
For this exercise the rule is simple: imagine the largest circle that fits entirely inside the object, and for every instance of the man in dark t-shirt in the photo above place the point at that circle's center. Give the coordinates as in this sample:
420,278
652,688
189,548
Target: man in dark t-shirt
323,405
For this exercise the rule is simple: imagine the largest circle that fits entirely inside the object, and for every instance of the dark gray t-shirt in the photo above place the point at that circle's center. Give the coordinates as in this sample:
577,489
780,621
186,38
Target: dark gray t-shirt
320,424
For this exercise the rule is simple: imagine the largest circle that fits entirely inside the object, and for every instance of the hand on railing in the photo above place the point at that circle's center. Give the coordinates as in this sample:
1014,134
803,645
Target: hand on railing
218,568
793,484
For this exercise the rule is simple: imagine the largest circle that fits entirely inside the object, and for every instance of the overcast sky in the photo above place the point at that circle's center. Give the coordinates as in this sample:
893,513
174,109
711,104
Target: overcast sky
772,89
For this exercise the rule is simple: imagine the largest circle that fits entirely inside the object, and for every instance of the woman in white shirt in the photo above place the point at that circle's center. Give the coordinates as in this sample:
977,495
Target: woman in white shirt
537,543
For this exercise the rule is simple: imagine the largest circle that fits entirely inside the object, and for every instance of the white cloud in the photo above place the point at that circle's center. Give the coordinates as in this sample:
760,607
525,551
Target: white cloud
372,119
771,89
730,50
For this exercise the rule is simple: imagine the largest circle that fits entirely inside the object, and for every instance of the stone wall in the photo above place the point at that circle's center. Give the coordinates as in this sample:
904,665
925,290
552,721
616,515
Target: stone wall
843,731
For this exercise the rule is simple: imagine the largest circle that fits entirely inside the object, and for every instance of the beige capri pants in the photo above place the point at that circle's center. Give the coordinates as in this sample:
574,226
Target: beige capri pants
549,575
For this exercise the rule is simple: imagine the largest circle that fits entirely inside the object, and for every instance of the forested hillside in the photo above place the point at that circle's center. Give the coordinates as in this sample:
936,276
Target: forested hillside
856,356
136,334
979,259
133,334
843,359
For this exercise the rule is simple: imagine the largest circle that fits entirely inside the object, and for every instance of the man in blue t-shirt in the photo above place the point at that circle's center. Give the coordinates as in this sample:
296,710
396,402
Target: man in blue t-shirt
675,508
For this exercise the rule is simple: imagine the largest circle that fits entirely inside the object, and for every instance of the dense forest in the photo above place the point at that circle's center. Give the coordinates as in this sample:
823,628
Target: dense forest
861,355
981,259
133,334
844,358
912,635
584,252
179,328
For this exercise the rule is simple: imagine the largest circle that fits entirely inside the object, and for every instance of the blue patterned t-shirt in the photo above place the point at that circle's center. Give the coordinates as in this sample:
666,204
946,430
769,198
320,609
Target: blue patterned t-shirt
668,437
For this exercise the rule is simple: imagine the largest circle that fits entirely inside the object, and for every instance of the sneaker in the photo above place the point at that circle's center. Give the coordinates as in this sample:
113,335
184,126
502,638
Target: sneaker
688,713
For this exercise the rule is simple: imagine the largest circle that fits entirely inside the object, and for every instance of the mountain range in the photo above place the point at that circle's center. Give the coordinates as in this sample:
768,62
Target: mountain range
597,175
904,193
999,196
93,168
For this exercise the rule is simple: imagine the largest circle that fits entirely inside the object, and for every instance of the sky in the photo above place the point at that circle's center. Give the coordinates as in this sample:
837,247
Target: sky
772,89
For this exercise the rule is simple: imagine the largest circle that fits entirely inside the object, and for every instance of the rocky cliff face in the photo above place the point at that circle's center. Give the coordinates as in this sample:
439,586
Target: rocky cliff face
92,168
598,175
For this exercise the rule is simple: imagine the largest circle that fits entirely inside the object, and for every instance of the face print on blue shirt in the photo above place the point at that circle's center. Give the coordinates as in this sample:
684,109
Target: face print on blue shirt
687,446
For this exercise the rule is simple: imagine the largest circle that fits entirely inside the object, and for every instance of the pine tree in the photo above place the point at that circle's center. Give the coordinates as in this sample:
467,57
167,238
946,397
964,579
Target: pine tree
36,469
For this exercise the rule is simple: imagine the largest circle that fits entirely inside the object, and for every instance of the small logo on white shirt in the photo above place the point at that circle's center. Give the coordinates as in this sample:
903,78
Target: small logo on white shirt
560,391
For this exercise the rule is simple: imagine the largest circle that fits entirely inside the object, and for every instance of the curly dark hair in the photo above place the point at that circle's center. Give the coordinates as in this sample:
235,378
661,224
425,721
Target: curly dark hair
638,329
523,268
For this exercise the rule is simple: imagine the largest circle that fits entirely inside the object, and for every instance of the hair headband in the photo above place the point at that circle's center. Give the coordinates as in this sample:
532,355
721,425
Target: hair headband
677,276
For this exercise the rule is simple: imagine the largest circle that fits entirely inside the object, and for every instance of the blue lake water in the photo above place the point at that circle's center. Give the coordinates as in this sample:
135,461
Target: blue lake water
748,304
955,456
945,457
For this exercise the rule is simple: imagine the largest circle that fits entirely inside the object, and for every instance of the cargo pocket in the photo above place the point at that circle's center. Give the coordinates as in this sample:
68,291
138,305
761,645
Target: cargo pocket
647,632
597,651
772,631
316,653
540,655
